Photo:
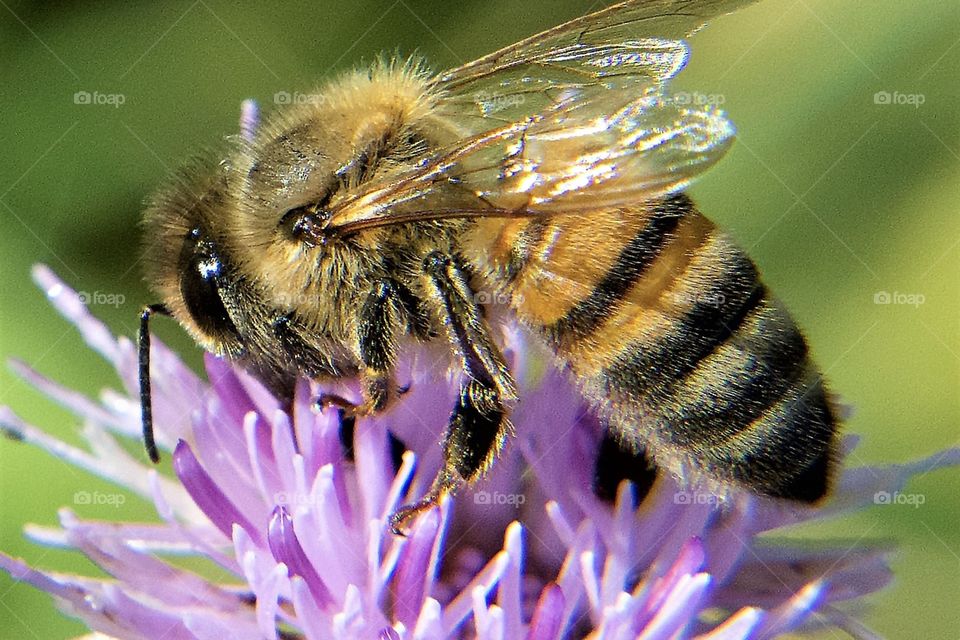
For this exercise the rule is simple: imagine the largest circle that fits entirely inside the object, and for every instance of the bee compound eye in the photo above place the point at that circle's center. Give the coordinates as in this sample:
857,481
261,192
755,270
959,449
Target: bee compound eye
202,280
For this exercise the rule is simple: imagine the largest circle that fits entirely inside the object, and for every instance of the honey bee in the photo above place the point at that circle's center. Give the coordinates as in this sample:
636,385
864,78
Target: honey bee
547,176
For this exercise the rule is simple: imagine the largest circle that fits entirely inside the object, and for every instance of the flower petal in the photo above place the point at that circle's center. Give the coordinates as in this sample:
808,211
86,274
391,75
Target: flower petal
208,495
286,549
548,615
410,582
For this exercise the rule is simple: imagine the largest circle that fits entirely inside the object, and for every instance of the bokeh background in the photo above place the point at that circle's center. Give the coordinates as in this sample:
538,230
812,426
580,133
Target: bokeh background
843,184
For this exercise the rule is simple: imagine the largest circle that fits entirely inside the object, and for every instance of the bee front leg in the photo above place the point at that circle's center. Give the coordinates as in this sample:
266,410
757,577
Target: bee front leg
478,425
376,343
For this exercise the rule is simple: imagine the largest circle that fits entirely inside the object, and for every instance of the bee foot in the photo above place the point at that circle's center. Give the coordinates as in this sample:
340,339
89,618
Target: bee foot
402,519
446,484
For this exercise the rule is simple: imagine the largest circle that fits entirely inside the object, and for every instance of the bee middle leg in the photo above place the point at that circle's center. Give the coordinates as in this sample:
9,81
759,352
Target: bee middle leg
479,424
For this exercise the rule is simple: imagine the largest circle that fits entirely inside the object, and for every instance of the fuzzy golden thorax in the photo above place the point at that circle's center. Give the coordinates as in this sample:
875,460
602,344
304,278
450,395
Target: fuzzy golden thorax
362,128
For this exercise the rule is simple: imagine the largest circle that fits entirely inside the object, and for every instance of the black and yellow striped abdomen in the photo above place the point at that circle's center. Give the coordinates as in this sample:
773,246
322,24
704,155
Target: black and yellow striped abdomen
666,325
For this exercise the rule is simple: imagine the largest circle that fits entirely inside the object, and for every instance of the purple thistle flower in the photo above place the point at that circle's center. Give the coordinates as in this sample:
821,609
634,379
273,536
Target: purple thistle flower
300,524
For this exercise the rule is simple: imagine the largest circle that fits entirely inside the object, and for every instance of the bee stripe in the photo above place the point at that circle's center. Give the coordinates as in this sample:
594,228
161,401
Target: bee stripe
736,384
635,258
708,326
650,367
786,452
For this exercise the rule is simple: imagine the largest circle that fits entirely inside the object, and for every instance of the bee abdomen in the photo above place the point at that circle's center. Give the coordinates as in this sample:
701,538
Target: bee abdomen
743,400
724,378
787,451
680,340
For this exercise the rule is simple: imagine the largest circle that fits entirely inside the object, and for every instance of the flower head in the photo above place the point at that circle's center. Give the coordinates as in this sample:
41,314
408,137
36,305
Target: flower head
294,509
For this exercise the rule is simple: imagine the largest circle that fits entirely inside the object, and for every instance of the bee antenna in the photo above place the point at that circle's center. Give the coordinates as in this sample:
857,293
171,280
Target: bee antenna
146,404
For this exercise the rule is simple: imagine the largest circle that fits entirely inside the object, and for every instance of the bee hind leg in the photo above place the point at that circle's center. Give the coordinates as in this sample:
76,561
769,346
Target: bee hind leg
478,424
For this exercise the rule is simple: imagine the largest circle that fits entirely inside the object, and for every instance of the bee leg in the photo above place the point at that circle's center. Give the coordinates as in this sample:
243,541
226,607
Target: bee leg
376,346
377,343
333,401
478,425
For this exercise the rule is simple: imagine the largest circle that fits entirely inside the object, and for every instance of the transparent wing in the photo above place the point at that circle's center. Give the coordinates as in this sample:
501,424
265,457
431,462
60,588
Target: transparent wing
629,43
603,150
574,119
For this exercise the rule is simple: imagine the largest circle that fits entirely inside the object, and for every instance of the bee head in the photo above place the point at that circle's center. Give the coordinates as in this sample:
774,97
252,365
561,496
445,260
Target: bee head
186,268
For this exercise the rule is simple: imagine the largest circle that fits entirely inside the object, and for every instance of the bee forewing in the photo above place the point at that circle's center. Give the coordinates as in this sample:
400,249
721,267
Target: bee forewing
596,149
606,35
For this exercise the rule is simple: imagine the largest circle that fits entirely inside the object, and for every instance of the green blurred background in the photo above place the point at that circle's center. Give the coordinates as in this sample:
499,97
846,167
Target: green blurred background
838,196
